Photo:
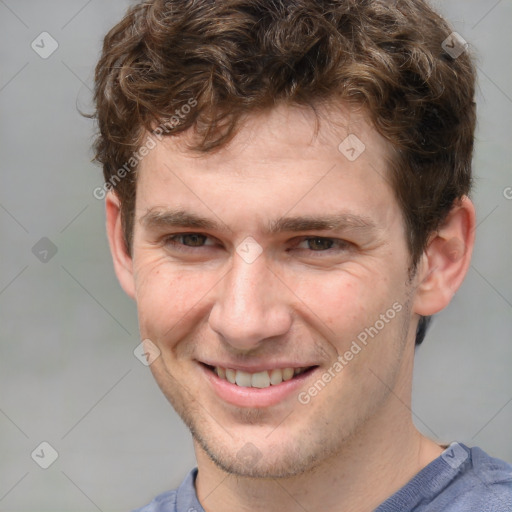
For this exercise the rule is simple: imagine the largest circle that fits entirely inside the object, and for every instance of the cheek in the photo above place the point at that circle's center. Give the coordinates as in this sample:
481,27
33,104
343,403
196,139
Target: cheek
346,309
345,299
169,298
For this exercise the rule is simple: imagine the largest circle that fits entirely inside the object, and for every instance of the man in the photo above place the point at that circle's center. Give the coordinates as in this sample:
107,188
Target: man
287,201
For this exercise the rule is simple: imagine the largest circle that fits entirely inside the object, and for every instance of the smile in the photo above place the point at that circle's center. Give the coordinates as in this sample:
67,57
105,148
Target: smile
263,388
261,380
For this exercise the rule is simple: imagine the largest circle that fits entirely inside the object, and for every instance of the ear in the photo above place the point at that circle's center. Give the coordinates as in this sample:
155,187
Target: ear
123,263
446,259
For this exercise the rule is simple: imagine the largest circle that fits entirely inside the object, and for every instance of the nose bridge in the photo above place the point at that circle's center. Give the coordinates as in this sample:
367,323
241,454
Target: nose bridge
250,305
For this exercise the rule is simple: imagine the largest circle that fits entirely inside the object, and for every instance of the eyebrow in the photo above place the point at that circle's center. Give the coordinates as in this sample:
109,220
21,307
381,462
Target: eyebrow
176,218
165,219
321,223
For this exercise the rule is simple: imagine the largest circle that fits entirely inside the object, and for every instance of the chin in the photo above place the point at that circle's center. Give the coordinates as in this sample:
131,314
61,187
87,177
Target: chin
282,460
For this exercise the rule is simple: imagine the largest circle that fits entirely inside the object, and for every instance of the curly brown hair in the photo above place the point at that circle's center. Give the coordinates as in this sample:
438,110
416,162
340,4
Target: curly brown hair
203,64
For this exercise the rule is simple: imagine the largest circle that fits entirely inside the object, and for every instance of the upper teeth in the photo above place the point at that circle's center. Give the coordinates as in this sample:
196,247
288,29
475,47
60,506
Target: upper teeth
260,379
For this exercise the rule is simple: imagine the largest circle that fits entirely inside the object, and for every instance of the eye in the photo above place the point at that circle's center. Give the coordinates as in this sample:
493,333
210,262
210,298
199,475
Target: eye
322,244
319,244
183,241
192,239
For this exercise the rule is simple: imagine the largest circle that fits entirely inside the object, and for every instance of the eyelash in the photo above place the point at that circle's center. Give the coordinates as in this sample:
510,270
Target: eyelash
170,240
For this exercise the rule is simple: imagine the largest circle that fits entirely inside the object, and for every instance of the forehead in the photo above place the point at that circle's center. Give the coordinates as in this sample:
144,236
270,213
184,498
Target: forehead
288,131
289,158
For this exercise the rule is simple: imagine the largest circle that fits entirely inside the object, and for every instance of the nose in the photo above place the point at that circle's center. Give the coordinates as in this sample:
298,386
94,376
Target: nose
252,304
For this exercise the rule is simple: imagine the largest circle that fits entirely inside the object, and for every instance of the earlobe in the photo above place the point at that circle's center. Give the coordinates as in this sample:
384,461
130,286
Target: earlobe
446,259
123,263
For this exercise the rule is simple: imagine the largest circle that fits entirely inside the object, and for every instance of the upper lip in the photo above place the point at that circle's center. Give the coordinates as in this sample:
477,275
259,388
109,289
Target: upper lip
259,367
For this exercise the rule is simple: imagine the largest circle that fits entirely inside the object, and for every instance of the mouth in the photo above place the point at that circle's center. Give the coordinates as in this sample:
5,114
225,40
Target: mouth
259,389
260,380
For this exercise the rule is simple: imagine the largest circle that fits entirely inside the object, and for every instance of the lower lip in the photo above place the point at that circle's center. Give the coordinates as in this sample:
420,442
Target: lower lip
255,397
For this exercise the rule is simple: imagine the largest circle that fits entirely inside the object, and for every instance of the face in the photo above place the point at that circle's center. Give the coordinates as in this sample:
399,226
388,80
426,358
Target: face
272,276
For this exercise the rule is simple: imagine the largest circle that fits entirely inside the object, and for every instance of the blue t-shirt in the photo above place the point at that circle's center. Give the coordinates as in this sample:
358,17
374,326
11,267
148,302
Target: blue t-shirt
461,479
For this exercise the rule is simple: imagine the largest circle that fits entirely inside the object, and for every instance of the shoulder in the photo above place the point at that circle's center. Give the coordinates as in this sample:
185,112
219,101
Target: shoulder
165,502
489,468
183,499
461,479
483,483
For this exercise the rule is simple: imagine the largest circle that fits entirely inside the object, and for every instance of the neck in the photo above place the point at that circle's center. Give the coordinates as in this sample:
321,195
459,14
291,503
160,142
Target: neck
359,478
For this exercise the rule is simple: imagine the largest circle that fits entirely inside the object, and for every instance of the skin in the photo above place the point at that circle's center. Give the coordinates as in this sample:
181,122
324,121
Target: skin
354,443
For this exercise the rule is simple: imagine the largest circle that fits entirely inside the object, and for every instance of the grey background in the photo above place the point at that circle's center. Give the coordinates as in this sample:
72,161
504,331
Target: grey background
68,375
